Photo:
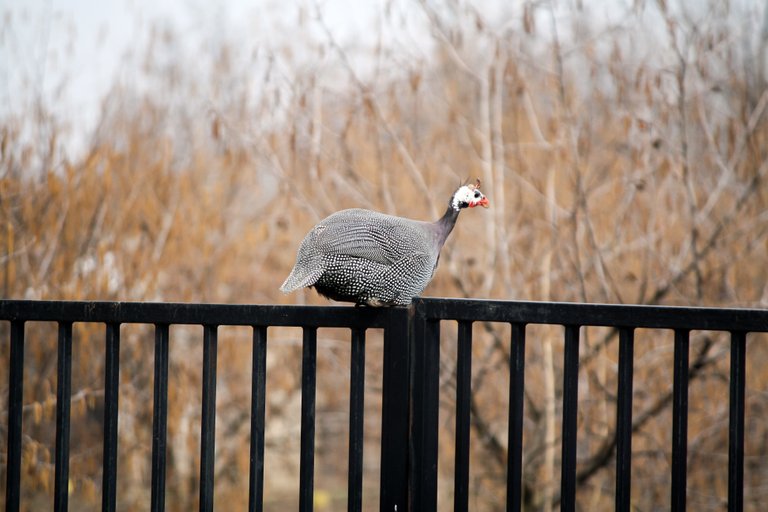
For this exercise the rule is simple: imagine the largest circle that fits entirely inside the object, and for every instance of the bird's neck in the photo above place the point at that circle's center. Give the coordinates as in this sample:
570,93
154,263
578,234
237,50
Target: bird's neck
445,224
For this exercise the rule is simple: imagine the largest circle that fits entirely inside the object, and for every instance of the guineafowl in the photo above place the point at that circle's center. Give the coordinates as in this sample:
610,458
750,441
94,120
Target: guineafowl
374,259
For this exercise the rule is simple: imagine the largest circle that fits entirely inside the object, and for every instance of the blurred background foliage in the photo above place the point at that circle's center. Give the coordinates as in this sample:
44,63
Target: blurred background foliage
624,150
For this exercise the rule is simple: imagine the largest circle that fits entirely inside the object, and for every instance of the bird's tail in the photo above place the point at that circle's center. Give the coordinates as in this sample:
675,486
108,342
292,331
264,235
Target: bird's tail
300,278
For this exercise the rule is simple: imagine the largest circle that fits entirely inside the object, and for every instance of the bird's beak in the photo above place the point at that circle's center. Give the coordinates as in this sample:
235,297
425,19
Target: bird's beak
484,202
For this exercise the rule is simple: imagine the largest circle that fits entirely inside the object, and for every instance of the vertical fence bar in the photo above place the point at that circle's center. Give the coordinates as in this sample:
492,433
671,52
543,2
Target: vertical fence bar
570,416
111,393
63,394
208,419
463,396
624,420
736,422
159,418
425,375
515,434
15,408
356,416
258,409
680,421
395,410
308,387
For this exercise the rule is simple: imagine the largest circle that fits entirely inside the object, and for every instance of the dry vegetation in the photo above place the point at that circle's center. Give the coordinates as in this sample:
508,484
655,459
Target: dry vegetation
625,162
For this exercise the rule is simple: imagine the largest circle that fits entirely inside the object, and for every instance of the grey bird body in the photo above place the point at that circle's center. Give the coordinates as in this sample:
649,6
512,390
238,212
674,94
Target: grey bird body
371,258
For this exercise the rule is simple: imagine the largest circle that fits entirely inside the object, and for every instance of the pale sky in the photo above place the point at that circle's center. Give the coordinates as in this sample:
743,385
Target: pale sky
69,52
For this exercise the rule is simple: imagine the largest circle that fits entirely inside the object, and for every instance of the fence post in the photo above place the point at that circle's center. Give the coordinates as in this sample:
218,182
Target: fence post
425,398
463,408
63,391
208,417
111,393
15,408
515,425
395,413
680,421
308,415
736,422
570,416
258,414
624,420
159,418
356,421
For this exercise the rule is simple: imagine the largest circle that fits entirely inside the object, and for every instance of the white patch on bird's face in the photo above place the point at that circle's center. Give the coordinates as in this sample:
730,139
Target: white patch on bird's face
466,196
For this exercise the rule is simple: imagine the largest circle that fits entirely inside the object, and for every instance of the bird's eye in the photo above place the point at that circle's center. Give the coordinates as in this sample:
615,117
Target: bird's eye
477,194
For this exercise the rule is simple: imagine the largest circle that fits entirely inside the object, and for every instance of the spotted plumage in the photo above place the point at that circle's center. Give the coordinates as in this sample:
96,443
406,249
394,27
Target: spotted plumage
375,259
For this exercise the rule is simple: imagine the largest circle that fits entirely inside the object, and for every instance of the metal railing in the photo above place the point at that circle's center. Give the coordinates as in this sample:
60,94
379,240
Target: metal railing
410,401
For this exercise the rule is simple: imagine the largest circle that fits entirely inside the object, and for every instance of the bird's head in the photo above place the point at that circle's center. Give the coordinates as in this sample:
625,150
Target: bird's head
469,196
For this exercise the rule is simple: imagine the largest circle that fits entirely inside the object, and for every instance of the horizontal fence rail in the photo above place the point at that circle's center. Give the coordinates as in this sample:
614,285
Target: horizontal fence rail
410,400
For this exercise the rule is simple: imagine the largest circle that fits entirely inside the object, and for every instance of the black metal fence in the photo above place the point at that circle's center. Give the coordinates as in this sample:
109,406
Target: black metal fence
410,402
